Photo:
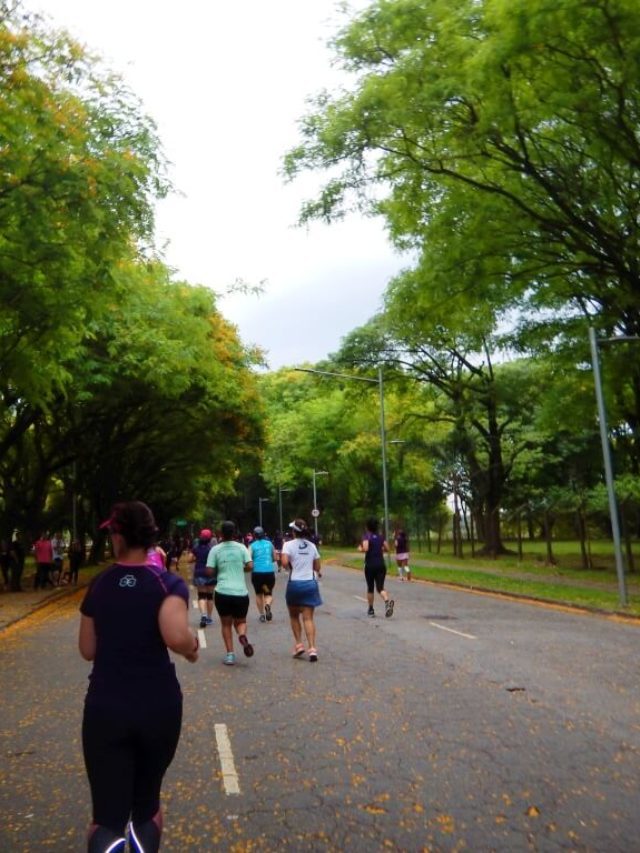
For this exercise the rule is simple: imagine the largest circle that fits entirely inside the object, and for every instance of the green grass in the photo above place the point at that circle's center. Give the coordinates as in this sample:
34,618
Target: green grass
562,584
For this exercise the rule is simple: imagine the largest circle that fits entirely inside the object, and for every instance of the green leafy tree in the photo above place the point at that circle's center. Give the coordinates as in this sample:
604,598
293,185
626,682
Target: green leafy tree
80,167
499,142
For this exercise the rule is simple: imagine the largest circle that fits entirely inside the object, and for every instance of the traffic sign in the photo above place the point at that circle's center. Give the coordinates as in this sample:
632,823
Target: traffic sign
315,513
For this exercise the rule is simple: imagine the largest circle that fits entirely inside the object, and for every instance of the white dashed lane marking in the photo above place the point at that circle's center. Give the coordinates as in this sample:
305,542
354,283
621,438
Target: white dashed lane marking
451,631
229,775
202,639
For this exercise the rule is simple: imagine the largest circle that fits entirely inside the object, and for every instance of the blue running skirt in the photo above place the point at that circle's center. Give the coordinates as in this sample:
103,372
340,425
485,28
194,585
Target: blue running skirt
303,594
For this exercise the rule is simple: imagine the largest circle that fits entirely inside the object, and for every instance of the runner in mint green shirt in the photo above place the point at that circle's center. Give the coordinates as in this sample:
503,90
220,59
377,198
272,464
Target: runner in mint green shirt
231,561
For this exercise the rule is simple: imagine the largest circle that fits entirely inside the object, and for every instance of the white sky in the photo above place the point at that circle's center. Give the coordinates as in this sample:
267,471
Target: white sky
226,84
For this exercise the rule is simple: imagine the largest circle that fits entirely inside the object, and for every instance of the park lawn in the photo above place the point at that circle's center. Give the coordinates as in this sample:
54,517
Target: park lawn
595,590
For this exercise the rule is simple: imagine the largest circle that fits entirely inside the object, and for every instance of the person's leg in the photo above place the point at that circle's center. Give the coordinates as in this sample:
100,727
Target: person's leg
156,743
407,570
388,602
269,583
210,607
202,606
296,627
109,761
369,576
399,567
260,606
241,608
309,626
226,624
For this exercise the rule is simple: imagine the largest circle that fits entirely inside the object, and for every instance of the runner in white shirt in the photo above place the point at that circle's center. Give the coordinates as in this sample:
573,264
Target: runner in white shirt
300,556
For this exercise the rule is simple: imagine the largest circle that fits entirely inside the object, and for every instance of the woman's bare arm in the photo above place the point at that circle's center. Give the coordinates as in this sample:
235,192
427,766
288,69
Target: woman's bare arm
173,621
87,638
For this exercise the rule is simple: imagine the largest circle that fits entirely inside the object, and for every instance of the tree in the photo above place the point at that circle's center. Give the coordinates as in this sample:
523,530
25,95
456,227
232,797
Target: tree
499,141
163,407
80,166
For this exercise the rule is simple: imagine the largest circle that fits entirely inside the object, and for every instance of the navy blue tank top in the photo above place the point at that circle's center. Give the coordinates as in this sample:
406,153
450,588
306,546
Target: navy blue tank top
374,557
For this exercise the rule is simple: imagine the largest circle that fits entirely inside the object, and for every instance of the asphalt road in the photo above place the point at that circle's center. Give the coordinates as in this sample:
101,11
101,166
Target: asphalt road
465,722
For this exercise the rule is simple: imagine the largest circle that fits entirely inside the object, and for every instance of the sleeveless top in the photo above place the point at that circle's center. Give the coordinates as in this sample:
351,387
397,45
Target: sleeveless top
374,556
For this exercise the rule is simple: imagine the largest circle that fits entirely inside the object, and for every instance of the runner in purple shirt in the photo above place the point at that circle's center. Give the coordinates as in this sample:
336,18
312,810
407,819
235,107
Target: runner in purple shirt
132,614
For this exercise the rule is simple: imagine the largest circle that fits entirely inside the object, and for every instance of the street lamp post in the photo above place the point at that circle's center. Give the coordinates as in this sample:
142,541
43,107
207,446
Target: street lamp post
606,455
280,491
315,501
260,502
383,439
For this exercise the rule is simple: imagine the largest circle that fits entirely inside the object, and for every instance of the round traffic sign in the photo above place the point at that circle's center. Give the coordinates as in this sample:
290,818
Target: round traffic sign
315,513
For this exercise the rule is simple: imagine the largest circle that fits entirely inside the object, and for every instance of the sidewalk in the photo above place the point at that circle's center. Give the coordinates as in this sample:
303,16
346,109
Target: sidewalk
16,605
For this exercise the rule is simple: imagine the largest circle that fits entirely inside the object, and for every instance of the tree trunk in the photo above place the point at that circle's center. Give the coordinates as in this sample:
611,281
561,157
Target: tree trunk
472,532
627,537
582,537
519,537
551,561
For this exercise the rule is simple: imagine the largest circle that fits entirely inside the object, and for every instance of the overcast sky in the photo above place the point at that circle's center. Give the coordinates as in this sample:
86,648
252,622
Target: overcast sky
226,84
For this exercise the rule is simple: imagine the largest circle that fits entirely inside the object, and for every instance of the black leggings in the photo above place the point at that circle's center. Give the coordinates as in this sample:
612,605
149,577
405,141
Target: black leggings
375,575
126,756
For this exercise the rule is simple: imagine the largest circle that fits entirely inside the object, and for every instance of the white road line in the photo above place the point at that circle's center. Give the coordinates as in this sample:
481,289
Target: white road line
451,631
194,603
229,775
202,639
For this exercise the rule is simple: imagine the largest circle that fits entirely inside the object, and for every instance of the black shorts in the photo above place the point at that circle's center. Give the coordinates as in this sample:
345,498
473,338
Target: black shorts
375,575
263,582
205,593
236,606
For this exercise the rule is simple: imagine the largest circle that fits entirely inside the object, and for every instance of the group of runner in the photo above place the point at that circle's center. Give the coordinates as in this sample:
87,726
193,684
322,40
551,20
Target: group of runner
135,610
219,570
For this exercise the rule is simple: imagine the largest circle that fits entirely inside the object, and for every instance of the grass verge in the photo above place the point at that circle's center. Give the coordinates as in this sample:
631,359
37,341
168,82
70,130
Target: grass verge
597,591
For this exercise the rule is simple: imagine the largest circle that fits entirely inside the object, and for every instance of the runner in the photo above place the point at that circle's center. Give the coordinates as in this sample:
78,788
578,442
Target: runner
131,614
401,545
375,569
204,578
263,576
301,557
57,549
230,560
44,561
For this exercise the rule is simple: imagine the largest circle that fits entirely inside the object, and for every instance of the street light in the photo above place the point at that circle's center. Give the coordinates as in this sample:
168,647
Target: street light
606,455
315,502
260,502
383,439
280,491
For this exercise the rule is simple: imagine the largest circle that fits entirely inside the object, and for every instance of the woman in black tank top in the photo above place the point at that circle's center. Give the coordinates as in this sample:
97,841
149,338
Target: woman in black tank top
375,567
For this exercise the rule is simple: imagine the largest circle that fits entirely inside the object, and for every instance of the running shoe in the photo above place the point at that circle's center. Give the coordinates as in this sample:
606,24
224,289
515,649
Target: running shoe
263,618
209,620
229,659
246,645
371,612
388,608
269,614
203,622
298,651
313,655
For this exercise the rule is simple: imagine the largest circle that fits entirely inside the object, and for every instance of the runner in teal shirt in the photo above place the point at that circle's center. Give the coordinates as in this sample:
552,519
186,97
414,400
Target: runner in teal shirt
230,560
263,576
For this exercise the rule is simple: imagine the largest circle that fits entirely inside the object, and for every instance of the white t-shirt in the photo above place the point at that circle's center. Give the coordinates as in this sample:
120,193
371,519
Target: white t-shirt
301,554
